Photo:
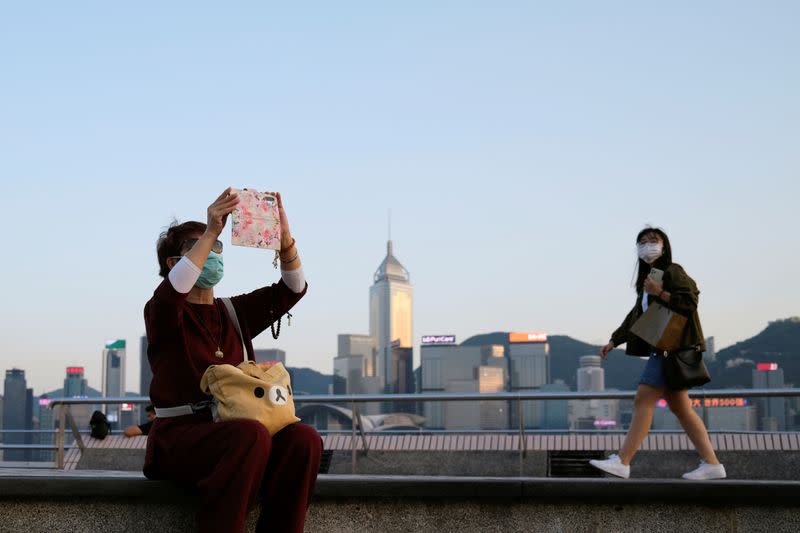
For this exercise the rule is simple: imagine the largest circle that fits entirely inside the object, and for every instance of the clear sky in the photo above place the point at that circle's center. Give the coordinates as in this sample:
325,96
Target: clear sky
520,146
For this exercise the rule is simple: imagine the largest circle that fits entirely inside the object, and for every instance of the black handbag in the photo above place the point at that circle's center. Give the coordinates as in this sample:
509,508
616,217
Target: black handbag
684,369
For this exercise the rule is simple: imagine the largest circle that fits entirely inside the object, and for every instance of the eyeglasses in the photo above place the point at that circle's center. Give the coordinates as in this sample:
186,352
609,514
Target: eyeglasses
189,243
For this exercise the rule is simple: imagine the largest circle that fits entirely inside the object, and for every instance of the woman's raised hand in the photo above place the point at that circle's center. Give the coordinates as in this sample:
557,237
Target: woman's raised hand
218,211
286,234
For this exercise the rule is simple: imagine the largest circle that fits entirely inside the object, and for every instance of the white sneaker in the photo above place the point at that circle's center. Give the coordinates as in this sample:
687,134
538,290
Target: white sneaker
612,466
706,471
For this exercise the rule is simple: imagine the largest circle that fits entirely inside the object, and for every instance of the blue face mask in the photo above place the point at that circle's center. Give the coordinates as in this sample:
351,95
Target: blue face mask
212,271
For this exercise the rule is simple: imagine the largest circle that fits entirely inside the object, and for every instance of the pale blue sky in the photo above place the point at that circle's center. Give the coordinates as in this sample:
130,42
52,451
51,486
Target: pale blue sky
520,146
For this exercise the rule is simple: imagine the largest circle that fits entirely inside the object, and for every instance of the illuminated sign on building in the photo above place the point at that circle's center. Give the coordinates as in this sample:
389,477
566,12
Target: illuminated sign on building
439,339
765,367
127,407
604,423
44,402
74,370
527,337
713,402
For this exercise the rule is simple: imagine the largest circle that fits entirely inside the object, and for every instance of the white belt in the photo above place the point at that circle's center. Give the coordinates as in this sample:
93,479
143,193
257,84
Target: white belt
182,410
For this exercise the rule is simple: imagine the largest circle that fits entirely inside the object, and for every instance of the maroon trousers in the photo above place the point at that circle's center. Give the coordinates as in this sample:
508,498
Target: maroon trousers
235,465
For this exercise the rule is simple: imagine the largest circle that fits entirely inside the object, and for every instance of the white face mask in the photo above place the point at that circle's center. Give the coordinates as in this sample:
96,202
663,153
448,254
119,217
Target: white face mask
650,251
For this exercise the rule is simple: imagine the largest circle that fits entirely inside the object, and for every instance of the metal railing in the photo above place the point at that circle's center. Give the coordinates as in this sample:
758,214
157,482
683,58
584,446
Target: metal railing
65,416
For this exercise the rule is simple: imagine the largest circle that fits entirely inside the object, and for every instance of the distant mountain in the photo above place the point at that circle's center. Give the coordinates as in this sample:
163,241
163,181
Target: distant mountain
778,343
622,371
59,393
308,381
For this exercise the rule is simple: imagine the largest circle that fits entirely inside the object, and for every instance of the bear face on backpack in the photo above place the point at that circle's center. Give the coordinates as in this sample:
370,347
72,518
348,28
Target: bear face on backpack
99,425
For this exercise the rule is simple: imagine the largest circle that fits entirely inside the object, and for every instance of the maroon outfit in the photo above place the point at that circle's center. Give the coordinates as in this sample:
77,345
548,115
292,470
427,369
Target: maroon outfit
234,464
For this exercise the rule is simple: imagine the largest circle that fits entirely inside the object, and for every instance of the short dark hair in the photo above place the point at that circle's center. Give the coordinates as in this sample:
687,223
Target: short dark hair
150,409
170,241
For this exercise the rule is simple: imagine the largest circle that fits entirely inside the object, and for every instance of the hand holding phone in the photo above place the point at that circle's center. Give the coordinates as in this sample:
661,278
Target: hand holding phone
656,274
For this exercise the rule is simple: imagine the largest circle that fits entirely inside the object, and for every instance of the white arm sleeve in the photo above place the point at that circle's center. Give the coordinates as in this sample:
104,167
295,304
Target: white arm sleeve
184,275
294,279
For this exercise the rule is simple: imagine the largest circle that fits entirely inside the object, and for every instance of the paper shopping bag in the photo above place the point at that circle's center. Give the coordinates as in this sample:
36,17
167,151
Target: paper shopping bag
660,327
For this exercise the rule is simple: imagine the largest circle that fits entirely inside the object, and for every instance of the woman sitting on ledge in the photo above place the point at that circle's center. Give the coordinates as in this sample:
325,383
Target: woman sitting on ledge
235,464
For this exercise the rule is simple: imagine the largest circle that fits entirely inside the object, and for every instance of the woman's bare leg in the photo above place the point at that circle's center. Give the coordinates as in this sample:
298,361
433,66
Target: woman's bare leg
643,405
680,404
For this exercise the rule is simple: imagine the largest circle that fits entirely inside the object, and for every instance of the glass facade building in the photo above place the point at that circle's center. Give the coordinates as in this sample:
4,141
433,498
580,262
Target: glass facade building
114,377
391,299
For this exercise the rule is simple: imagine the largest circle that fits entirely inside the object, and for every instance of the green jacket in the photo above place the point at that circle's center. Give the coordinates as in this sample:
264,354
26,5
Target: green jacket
683,300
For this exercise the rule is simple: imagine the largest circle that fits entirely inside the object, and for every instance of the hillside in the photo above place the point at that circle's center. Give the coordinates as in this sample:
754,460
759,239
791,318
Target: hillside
308,381
778,343
622,371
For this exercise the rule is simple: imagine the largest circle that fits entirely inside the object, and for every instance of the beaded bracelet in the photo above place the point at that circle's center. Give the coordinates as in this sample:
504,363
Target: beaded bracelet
279,252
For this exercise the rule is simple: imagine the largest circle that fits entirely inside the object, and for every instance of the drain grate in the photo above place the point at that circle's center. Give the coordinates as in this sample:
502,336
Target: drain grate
573,464
325,462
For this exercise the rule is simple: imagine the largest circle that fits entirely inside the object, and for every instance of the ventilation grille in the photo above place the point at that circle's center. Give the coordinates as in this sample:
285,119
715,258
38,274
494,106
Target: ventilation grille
325,462
573,464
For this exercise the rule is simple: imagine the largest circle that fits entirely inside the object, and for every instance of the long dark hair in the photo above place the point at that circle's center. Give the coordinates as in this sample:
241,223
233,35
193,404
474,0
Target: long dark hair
661,263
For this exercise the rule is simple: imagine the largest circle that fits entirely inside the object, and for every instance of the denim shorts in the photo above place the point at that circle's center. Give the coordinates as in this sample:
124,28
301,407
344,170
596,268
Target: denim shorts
653,372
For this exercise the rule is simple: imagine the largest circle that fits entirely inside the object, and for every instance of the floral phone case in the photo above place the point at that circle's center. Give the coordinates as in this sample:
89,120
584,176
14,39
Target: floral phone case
256,221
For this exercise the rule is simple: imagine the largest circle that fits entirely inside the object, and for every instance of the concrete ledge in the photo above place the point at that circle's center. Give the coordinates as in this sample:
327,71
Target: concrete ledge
109,502
53,485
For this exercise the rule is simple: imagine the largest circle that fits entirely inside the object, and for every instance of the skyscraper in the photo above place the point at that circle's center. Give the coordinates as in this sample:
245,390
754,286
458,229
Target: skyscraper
390,314
46,426
270,355
359,345
354,369
145,372
592,414
114,376
17,413
454,368
771,411
529,361
75,385
591,376
711,352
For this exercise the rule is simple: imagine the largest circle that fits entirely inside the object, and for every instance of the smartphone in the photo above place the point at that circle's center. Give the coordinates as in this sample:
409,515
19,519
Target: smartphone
656,274
256,220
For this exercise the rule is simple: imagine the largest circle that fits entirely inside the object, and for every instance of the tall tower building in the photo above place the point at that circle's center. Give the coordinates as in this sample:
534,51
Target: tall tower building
390,316
114,376
145,373
529,361
17,413
75,384
771,411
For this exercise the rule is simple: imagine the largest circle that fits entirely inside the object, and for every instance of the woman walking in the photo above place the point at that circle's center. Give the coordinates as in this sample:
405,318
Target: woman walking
678,292
236,464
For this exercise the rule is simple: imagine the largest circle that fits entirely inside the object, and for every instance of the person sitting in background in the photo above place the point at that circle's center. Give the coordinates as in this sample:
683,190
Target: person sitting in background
144,429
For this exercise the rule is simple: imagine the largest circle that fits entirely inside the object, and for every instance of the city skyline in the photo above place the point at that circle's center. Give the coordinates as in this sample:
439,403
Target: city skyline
520,148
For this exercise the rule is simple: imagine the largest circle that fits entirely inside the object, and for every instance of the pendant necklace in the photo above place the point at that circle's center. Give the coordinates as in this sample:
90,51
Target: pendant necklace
219,354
